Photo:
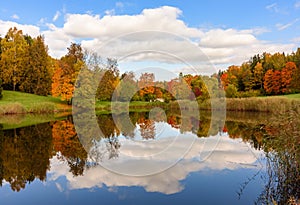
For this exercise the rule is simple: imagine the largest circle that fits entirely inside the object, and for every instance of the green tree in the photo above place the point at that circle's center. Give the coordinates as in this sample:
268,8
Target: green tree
14,58
37,76
127,87
231,91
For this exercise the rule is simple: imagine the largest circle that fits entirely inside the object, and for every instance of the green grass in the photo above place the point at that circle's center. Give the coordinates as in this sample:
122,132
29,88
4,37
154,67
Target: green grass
14,102
292,96
134,106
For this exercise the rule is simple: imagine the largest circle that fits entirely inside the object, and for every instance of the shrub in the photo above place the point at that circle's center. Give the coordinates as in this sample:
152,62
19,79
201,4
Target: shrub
231,91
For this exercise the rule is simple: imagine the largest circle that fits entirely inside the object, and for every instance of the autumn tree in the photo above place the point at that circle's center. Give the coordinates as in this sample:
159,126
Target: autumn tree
109,80
146,86
258,76
272,82
14,57
287,77
268,81
66,71
199,88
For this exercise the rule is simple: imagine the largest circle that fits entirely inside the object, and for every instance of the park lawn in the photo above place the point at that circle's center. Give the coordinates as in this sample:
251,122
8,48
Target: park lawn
30,102
292,96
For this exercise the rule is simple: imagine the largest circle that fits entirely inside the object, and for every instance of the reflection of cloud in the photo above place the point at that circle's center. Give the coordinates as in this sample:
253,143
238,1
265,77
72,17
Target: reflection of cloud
227,154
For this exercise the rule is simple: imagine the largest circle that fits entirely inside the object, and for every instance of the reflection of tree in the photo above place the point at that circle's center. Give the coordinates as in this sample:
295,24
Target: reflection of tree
125,124
283,161
24,154
147,128
252,133
66,141
108,145
174,121
279,138
107,126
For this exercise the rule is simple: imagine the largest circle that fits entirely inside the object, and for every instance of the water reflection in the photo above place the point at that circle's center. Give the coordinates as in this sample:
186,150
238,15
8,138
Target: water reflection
50,151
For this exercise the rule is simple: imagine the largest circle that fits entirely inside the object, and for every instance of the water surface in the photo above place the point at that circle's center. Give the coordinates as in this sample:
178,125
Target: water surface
155,158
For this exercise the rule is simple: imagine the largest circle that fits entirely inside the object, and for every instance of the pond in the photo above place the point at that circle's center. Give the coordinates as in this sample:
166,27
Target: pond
152,158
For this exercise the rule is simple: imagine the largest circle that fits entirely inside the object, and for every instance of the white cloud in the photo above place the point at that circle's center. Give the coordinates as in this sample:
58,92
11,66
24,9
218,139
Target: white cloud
172,37
297,5
15,16
281,27
27,29
273,7
56,16
57,40
276,9
219,38
160,19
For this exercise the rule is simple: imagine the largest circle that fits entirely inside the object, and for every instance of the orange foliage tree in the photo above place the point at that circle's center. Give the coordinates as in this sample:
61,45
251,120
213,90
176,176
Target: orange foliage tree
146,86
66,72
287,76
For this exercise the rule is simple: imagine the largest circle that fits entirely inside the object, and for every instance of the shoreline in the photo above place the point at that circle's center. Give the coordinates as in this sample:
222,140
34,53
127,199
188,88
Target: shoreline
17,103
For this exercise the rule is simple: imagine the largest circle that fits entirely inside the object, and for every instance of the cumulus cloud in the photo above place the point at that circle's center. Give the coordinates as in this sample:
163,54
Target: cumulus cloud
57,40
219,38
160,19
27,29
172,41
222,46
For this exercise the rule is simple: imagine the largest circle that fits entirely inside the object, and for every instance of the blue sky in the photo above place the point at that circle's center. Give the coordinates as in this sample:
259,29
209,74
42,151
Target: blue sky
228,32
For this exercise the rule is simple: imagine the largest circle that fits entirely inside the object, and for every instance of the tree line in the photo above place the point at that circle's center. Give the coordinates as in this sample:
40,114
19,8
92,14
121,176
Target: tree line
264,74
26,66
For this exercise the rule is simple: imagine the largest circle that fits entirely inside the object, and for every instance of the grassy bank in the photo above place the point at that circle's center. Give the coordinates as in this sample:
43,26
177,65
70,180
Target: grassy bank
272,104
19,103
135,106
